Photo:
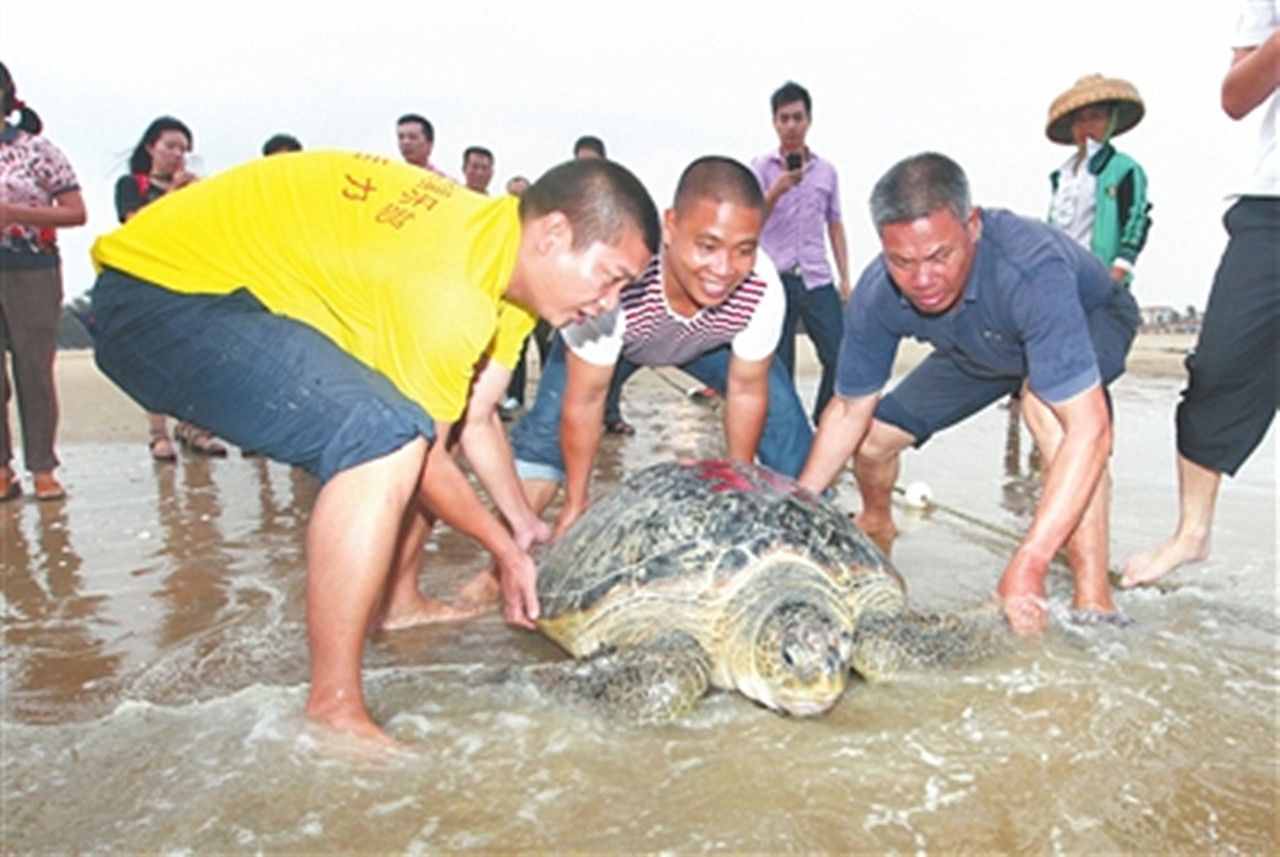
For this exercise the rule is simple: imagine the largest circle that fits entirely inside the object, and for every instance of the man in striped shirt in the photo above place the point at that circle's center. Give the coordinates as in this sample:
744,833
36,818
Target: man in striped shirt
708,304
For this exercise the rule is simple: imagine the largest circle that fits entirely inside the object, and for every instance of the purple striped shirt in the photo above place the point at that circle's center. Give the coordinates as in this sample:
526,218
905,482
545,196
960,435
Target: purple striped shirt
795,236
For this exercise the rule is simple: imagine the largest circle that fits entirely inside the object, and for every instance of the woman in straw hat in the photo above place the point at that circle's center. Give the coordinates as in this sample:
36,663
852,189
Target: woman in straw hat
1100,193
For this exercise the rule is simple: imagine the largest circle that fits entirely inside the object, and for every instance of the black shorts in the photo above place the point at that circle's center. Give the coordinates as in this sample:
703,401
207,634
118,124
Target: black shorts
1234,384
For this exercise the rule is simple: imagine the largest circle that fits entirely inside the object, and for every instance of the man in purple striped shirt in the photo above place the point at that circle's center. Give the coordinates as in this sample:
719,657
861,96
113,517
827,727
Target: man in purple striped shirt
802,196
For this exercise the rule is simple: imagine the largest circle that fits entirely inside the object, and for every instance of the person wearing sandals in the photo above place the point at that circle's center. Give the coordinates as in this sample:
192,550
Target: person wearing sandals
157,167
39,194
1099,193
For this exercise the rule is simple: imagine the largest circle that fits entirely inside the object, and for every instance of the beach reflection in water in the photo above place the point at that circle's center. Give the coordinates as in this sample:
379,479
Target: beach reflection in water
155,670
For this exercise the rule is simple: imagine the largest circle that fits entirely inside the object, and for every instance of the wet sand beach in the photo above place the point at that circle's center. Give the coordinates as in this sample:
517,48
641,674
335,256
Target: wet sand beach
155,668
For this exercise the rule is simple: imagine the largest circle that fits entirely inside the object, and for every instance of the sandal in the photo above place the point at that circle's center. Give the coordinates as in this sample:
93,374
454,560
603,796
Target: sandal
12,488
48,487
619,427
198,440
162,448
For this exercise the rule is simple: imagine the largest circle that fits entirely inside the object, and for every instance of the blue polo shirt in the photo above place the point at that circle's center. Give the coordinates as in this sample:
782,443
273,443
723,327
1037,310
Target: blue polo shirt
1022,314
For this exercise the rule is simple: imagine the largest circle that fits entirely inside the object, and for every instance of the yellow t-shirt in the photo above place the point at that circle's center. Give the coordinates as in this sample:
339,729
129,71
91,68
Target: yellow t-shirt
403,269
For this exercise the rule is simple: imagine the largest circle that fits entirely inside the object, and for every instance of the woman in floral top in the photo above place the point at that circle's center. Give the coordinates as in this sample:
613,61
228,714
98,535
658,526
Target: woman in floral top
38,195
158,166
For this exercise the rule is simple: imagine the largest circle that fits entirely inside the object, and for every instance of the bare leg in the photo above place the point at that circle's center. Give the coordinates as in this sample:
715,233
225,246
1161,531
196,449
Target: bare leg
876,465
481,591
404,605
1197,499
1088,548
351,544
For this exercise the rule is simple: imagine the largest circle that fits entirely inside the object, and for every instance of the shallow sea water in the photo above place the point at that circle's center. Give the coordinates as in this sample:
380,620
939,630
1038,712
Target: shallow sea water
155,667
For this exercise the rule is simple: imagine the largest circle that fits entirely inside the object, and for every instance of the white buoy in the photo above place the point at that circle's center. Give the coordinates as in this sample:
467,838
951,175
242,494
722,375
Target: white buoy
918,495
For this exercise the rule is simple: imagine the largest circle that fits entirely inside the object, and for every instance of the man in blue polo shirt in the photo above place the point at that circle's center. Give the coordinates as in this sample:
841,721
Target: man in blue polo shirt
1008,304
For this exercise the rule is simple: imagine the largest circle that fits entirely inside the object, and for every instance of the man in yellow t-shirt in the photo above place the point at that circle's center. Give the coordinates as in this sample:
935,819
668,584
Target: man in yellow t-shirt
340,312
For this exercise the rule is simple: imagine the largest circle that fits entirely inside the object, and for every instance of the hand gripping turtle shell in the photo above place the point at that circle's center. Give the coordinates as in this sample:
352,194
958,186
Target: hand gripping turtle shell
725,575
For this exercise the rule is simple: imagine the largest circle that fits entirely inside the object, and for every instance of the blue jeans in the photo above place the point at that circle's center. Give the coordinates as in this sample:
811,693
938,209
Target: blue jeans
262,381
784,443
823,316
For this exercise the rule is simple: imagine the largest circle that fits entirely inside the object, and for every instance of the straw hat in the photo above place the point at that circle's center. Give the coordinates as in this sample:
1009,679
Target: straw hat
1094,89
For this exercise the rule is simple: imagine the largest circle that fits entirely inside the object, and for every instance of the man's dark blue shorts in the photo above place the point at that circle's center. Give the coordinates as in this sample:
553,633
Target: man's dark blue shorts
938,393
260,380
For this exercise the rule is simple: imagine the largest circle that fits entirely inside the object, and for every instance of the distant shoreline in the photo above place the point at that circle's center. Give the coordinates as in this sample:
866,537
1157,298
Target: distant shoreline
94,410
1154,355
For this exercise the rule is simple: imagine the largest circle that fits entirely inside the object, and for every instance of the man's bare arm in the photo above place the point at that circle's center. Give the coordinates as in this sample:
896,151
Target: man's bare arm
841,429
746,406
840,250
1253,76
445,491
581,424
484,441
1074,473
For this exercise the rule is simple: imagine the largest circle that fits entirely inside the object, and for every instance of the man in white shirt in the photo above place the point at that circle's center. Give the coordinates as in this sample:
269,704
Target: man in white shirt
1234,384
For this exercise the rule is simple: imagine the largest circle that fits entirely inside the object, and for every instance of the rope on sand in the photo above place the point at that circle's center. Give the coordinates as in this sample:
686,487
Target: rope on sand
675,385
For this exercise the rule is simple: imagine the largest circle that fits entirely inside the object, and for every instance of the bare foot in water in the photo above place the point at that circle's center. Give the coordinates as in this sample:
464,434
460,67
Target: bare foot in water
339,717
480,590
1024,601
1027,615
428,611
1096,609
1152,565
880,530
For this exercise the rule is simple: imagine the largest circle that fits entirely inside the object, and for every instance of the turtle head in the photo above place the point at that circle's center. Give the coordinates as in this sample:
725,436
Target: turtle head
798,661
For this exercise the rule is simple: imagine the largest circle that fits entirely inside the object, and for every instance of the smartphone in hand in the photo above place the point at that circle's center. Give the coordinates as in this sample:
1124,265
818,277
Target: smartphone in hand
794,161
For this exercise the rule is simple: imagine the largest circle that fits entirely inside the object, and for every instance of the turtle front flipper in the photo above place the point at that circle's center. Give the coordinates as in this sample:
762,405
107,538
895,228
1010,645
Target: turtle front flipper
885,644
656,682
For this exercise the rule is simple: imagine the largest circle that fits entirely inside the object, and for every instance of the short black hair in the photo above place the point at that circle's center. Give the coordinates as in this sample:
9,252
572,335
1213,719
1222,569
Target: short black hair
476,150
789,93
428,130
281,143
720,179
599,197
588,141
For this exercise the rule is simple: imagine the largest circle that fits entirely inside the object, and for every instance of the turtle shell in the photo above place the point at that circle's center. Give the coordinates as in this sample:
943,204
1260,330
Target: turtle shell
676,542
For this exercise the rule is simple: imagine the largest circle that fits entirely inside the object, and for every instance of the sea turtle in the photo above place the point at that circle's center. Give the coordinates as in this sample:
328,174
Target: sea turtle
726,575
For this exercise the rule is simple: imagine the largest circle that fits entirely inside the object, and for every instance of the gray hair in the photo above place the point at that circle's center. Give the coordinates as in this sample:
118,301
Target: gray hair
917,186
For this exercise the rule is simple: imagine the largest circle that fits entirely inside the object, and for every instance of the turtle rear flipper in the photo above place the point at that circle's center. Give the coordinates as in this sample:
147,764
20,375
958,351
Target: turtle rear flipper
885,644
652,683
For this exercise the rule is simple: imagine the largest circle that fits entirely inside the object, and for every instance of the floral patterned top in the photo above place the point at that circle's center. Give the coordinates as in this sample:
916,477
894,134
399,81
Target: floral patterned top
32,172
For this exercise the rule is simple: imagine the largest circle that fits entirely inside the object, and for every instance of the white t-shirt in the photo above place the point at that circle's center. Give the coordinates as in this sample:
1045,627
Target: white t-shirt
1075,201
1256,21
644,329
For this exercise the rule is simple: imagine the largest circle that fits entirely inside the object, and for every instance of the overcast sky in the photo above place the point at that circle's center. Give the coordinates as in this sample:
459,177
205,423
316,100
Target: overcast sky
661,82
